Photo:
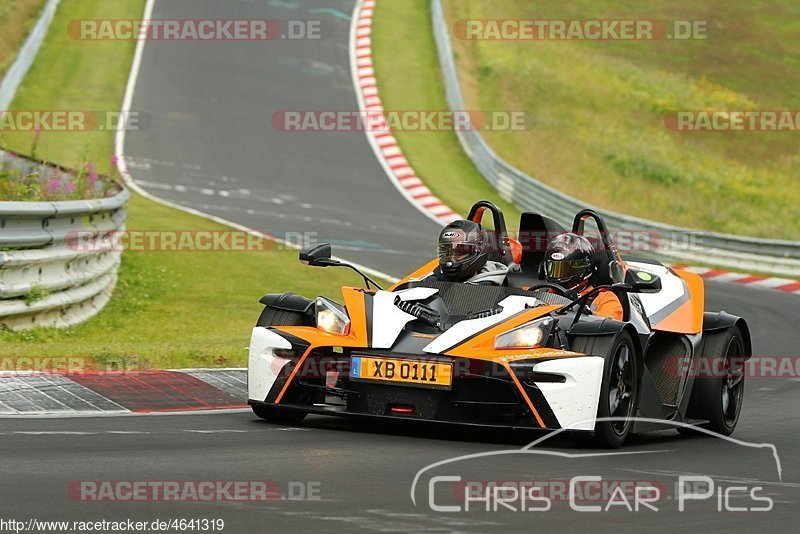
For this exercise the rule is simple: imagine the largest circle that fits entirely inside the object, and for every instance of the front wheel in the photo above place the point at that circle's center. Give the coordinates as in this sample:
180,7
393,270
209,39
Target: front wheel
276,414
619,394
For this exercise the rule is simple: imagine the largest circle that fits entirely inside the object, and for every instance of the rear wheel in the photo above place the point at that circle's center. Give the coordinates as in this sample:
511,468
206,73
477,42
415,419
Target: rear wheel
719,389
619,392
270,412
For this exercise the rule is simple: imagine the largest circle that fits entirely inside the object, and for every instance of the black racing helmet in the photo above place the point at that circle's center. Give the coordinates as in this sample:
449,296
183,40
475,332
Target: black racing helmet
568,260
463,249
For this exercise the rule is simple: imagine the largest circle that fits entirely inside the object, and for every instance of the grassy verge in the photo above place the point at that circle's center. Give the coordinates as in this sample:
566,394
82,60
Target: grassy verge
17,18
600,106
170,309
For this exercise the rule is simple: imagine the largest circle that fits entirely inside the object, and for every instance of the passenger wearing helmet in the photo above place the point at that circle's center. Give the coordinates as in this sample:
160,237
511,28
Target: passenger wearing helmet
464,256
569,263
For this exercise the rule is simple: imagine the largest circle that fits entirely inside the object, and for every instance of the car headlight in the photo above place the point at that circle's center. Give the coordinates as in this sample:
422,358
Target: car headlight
528,336
331,317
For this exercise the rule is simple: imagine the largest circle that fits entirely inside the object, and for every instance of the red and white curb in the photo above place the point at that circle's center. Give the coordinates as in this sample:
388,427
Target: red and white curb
786,285
379,135
65,393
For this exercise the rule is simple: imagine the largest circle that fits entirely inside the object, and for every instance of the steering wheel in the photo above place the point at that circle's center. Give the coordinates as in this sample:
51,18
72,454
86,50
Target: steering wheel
560,290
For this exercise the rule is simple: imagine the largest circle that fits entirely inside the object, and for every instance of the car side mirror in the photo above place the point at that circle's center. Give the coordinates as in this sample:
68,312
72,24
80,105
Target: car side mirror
318,255
642,281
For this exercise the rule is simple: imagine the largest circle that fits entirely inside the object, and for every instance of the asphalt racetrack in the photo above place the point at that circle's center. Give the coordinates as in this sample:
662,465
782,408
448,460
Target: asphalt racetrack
210,146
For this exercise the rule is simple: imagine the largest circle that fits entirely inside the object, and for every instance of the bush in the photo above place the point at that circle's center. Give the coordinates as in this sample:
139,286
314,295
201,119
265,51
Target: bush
28,183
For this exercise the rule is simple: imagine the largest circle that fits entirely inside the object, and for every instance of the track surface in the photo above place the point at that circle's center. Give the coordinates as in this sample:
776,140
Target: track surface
211,134
210,105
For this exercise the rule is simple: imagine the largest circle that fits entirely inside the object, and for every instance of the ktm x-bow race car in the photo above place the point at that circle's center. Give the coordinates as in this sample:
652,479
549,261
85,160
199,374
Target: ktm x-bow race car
527,354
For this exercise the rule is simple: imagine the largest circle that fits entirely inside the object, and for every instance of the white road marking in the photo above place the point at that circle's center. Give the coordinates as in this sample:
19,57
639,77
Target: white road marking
81,415
53,433
220,431
258,430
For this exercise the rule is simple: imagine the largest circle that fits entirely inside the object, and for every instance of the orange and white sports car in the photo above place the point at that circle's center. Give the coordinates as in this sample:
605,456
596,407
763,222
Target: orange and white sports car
527,354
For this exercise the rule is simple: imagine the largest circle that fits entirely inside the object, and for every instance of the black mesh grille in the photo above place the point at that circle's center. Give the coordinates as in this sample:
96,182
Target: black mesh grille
664,361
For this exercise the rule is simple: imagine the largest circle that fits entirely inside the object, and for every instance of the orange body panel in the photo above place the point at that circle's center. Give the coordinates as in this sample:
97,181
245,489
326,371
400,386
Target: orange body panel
418,274
356,337
688,319
516,250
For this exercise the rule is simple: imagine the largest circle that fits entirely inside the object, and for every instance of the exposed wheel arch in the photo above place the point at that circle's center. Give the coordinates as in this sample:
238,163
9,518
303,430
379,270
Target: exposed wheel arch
608,327
717,321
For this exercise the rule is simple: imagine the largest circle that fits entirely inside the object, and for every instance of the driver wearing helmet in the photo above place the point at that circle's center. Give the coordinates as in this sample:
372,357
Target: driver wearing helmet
464,256
568,263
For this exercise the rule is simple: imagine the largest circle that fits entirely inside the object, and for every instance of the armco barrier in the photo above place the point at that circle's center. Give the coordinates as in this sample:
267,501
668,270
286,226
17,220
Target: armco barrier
672,243
45,280
27,53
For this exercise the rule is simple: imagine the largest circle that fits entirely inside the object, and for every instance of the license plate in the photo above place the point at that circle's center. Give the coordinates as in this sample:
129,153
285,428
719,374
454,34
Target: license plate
401,371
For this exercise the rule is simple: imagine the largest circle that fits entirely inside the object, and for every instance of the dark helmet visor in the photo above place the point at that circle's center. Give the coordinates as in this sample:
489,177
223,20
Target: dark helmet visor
457,252
565,269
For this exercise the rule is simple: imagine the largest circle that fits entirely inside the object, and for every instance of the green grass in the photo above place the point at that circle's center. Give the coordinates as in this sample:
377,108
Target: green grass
17,17
75,75
179,309
600,107
170,309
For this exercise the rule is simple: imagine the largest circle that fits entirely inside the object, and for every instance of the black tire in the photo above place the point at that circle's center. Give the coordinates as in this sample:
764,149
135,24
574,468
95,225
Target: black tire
276,414
268,412
617,349
718,398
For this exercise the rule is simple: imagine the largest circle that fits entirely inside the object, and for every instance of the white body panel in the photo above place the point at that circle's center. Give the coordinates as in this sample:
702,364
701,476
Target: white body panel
574,402
263,367
673,289
388,320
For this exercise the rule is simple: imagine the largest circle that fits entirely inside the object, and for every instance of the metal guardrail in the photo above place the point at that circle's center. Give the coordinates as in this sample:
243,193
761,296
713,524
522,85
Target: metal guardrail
53,271
27,53
662,240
